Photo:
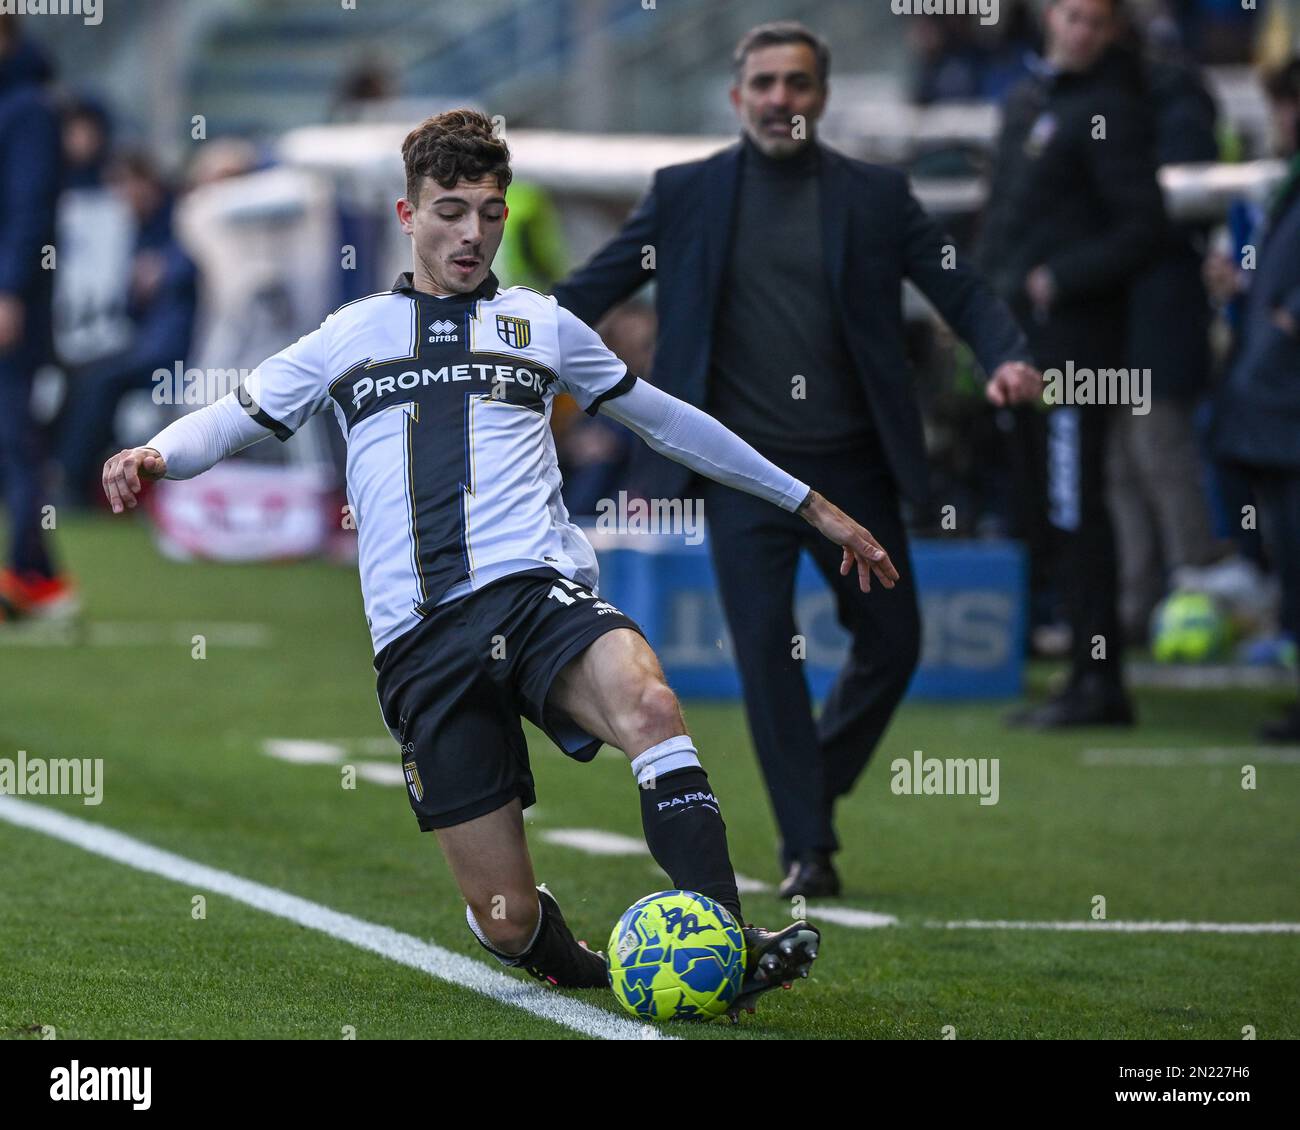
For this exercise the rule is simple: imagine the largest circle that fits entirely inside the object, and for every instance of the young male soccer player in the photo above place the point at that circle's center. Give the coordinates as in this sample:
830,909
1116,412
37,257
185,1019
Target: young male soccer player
479,592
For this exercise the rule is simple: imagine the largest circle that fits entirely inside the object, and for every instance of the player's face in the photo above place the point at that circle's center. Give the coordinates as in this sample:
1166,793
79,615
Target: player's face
776,91
1078,31
455,232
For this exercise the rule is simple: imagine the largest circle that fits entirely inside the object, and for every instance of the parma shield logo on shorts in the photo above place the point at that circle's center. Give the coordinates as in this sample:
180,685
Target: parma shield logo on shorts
515,332
413,781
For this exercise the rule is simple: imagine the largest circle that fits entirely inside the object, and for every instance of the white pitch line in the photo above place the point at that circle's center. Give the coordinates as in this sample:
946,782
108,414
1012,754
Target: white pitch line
1209,755
847,916
381,773
303,751
1130,927
405,949
593,841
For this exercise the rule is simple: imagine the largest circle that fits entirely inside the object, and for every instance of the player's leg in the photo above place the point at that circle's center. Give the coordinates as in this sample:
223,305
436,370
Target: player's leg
489,859
465,760
616,691
514,920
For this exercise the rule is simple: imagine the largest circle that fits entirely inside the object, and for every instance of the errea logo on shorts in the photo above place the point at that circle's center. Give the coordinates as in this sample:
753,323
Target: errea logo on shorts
442,331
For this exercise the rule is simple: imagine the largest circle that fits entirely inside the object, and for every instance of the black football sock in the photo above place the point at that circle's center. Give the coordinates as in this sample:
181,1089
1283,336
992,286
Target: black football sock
683,822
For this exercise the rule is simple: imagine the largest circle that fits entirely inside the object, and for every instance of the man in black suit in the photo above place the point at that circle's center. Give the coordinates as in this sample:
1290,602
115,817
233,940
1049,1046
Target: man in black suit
778,266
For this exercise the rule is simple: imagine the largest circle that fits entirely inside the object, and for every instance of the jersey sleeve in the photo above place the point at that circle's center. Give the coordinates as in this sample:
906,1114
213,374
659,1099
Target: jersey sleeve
589,372
289,387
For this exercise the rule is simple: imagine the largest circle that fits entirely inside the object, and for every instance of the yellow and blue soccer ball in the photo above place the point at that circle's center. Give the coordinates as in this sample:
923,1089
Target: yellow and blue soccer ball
676,955
1189,627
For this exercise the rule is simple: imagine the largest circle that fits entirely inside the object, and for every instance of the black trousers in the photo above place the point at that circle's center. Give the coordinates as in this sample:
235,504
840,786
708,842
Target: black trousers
1085,556
807,764
1279,523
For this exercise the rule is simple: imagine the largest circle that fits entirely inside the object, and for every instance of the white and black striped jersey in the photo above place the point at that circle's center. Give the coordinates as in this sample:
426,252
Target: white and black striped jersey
445,403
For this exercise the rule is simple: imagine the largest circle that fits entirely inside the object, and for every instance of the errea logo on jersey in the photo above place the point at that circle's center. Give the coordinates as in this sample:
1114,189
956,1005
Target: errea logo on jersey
442,331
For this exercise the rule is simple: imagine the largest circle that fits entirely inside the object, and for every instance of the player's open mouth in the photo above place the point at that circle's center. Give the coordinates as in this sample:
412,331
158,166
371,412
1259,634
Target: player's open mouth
465,265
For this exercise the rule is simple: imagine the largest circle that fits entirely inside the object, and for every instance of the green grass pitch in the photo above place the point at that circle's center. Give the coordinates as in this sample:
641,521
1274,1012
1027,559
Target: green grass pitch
96,949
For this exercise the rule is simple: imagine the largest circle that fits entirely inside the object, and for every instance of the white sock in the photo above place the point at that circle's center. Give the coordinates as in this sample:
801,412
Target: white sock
668,755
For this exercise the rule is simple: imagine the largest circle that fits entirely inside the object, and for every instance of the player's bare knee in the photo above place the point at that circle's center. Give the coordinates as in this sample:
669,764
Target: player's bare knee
653,716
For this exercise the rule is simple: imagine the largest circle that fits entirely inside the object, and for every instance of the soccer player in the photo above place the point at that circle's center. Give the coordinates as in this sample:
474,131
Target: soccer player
479,592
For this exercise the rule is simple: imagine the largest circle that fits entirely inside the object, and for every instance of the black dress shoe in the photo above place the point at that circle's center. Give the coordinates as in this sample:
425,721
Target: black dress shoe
1284,729
813,877
1083,704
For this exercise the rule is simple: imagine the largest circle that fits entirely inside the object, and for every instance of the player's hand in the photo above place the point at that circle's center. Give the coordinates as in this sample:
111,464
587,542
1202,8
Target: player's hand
1014,383
860,547
123,475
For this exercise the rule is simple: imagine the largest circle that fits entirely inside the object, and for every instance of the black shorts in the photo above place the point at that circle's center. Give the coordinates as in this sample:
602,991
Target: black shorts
453,688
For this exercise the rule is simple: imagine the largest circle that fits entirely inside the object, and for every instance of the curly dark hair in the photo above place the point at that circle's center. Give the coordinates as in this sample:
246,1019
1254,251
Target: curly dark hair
457,145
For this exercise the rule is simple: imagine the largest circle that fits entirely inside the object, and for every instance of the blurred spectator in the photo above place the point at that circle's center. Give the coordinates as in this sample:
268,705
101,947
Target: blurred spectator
29,185
1072,219
1257,422
959,59
1217,31
95,234
220,159
369,83
161,303
948,60
1162,520
87,142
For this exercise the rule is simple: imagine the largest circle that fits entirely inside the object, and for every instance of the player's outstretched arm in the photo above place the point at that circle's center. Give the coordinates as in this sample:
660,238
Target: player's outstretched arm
185,448
691,437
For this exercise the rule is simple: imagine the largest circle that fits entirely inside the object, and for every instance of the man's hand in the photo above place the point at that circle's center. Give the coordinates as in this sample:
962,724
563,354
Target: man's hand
1014,383
12,316
1283,321
122,475
859,545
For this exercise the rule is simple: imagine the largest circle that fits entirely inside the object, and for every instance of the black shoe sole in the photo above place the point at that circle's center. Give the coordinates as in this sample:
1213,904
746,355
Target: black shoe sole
788,956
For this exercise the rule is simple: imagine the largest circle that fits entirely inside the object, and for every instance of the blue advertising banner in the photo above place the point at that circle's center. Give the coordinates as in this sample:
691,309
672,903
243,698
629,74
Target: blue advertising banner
973,613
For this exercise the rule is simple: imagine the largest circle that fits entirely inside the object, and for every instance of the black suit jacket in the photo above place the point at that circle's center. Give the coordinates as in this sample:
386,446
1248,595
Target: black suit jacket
874,234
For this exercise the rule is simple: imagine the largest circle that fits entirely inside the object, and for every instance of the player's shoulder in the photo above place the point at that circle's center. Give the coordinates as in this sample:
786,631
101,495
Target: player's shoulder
366,313
526,297
369,305
527,303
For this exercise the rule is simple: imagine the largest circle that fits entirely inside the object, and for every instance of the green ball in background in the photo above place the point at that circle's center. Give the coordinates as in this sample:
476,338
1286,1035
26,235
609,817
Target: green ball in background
1189,627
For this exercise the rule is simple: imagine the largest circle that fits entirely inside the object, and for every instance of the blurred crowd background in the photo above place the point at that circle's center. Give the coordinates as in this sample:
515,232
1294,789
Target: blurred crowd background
205,218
